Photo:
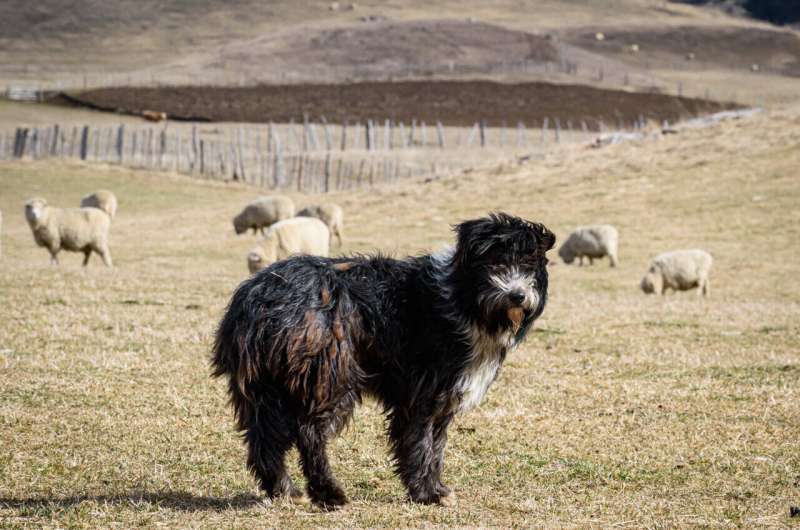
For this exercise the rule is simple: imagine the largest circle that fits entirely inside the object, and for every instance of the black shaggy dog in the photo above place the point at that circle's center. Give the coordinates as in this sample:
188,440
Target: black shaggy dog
305,338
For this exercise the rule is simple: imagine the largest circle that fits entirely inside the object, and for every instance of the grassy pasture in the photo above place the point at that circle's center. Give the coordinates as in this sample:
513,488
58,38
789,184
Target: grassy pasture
621,410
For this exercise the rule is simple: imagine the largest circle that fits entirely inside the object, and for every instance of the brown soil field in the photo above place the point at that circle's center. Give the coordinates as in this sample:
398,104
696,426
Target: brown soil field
451,102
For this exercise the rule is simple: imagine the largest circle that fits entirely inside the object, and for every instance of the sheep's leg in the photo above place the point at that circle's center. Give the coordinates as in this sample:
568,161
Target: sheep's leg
337,231
106,255
706,290
262,231
53,257
580,261
613,258
591,260
86,255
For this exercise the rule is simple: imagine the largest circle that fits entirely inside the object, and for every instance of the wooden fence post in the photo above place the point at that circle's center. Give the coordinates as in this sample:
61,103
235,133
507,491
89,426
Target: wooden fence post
201,156
483,133
120,143
162,148
85,142
344,135
472,132
54,140
327,172
440,133
368,136
558,131
327,131
545,125
178,151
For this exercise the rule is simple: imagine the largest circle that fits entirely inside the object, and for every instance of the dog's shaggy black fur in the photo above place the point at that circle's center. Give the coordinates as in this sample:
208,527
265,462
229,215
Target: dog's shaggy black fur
305,338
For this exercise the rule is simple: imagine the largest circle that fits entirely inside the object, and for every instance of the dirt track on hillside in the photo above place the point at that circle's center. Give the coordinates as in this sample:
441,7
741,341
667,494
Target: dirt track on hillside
451,102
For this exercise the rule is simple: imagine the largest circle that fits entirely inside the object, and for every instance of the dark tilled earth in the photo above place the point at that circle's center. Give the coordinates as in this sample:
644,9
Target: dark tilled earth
458,103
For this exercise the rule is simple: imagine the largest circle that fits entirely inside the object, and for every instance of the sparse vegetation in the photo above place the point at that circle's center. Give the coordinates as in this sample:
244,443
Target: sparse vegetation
621,409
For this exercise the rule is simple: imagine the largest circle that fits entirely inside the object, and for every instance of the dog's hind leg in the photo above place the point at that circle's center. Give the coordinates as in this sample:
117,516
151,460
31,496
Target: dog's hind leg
269,434
312,439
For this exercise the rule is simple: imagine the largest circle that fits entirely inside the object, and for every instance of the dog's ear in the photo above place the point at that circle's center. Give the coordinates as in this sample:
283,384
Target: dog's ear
546,237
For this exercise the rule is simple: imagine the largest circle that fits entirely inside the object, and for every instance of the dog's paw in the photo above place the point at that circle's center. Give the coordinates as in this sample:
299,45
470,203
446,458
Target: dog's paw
448,500
331,498
442,496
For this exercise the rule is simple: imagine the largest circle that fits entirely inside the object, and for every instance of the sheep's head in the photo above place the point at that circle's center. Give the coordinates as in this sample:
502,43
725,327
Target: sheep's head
651,282
255,260
262,255
566,253
239,224
34,211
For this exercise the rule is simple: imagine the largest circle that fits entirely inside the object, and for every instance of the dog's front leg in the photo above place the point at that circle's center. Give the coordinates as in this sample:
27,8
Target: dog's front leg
418,443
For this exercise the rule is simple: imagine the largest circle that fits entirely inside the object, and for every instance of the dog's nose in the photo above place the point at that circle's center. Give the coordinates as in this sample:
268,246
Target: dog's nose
517,297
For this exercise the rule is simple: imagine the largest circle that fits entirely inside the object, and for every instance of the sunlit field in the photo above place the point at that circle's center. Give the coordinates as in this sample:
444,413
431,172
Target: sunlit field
620,409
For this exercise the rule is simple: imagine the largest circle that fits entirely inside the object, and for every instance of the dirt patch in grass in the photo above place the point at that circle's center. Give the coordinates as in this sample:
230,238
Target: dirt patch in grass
451,102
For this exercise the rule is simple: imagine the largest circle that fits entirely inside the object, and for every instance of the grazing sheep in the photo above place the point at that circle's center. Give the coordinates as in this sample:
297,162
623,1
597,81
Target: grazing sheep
594,241
330,214
679,270
103,199
74,229
299,235
263,212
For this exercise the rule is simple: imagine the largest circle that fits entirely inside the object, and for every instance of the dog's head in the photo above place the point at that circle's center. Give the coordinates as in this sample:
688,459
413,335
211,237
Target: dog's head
501,268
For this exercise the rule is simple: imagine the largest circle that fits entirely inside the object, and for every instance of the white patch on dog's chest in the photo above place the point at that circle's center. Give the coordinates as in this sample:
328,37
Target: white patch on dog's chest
475,382
479,375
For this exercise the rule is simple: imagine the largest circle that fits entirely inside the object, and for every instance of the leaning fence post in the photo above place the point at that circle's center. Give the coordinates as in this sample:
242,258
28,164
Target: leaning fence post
85,142
54,140
327,131
327,172
119,143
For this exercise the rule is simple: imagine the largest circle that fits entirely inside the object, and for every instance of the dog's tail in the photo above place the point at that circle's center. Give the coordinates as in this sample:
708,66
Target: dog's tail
298,330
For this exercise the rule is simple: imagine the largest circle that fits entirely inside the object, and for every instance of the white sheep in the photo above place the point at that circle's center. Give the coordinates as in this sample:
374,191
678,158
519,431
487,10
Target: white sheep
73,229
103,199
263,212
331,214
299,235
679,270
594,241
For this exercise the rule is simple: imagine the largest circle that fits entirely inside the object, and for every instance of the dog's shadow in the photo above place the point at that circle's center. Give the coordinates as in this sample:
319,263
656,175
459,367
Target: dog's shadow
176,500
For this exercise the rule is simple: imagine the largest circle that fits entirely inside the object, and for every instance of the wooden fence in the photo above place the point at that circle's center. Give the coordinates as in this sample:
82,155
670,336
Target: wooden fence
313,157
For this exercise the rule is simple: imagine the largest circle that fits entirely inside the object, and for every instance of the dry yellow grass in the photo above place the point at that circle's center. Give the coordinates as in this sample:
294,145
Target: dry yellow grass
622,410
